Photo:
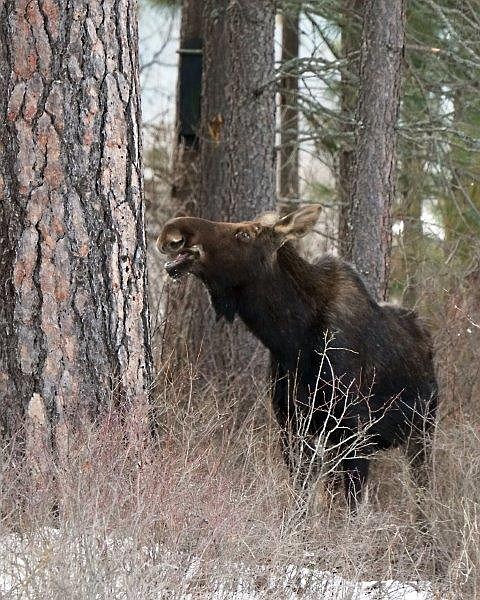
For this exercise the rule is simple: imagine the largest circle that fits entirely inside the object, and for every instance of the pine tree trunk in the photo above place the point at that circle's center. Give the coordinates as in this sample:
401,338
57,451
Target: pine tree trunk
238,110
237,164
369,227
288,167
349,76
74,330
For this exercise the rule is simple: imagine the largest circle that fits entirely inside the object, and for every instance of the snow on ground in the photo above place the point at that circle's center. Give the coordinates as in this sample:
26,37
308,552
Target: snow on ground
48,563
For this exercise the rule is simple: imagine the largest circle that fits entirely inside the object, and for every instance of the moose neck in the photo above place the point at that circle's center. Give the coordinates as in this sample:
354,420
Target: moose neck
284,306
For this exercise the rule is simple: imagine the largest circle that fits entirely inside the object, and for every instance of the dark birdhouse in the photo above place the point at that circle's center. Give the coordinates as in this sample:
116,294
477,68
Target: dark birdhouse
190,89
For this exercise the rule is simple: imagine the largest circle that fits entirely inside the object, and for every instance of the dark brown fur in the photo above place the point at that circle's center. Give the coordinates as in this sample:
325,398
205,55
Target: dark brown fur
380,360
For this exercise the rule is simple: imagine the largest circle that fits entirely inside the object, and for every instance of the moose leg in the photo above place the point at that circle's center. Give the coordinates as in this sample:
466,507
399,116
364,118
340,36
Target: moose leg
418,448
280,403
288,449
299,455
355,477
281,385
297,447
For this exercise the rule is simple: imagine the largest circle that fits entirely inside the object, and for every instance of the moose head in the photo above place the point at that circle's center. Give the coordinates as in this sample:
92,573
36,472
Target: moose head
232,252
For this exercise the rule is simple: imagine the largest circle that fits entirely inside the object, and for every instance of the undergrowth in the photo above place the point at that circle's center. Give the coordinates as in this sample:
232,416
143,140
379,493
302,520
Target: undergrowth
203,490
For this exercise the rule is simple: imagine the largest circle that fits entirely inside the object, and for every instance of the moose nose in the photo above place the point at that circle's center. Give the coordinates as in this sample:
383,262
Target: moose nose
172,243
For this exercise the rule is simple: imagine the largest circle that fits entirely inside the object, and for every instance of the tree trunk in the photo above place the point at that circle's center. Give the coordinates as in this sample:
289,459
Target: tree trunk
237,163
369,225
238,110
288,167
186,154
349,75
73,304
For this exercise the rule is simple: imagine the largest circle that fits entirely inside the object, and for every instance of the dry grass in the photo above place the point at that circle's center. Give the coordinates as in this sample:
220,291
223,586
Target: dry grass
130,517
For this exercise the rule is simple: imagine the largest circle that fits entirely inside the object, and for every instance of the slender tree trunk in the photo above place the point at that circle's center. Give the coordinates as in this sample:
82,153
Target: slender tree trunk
237,163
351,27
74,329
187,150
288,167
369,224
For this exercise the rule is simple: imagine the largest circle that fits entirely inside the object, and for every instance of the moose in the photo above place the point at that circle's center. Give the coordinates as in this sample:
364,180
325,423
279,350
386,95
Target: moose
343,366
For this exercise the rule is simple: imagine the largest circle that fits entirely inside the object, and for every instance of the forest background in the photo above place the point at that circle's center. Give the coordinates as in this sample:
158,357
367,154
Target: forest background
211,486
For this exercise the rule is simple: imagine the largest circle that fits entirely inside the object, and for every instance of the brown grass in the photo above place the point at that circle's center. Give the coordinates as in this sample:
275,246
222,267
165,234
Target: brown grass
216,493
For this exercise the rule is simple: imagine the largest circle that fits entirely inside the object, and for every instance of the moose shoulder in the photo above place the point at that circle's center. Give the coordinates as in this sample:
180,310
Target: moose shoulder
342,363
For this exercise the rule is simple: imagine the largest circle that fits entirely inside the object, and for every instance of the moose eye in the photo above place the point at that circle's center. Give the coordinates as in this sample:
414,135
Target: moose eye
175,244
243,236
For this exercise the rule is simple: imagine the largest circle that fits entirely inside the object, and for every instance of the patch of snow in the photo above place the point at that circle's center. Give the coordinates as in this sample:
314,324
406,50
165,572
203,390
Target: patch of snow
34,563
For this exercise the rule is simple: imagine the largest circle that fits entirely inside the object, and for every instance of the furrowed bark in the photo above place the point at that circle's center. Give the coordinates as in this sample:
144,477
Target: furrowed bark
349,77
238,108
237,168
369,228
74,331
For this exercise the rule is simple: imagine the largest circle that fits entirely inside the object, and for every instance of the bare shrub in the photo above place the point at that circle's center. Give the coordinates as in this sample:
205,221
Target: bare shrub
203,502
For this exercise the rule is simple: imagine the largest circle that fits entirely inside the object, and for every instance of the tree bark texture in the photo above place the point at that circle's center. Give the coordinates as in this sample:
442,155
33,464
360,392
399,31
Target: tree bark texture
351,27
74,327
289,117
238,110
237,165
371,197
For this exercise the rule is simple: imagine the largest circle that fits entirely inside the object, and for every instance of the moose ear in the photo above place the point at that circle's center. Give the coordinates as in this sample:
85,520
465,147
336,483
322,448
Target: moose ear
298,223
